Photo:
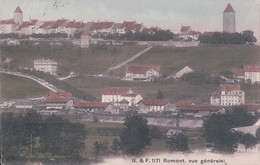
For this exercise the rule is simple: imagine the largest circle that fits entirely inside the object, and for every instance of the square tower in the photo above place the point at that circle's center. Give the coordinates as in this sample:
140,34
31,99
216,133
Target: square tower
229,20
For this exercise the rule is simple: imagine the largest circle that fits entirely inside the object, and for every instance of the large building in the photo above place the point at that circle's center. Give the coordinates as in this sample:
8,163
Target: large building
47,66
229,95
142,73
252,73
229,20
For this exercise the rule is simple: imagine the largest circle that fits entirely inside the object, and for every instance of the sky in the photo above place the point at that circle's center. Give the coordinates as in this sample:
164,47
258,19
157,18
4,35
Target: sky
201,15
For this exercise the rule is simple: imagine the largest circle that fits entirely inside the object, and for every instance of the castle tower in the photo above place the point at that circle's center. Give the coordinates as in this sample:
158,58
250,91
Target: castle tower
18,16
85,39
229,19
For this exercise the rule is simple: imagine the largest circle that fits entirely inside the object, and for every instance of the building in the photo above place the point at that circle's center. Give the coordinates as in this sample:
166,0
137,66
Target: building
229,19
101,27
18,16
229,95
117,94
85,39
150,106
171,132
185,31
72,27
252,74
183,71
240,74
142,73
47,66
7,26
95,107
59,100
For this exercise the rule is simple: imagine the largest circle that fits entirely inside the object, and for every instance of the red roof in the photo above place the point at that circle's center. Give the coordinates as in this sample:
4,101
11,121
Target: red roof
11,21
85,33
229,9
127,25
137,27
18,10
101,25
252,69
91,105
115,91
46,24
129,95
250,107
240,72
155,102
59,97
184,103
216,95
230,87
27,23
58,23
185,28
142,69
73,24
208,33
200,107
194,33
150,30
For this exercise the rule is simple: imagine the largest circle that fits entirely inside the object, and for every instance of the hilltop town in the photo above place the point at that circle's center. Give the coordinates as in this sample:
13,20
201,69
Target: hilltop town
103,72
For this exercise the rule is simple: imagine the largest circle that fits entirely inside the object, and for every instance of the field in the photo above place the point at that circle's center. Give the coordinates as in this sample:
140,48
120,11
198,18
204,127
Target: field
174,91
14,87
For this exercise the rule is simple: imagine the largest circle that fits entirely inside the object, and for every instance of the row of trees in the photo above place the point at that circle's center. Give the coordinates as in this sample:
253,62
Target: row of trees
199,77
228,38
31,136
218,132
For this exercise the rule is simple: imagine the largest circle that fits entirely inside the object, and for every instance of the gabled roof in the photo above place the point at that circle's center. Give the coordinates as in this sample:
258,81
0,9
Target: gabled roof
154,102
229,87
115,91
137,27
142,69
74,24
248,129
59,97
11,21
85,33
90,104
184,103
229,9
58,23
252,69
116,26
27,24
127,25
101,25
240,72
18,10
185,28
46,24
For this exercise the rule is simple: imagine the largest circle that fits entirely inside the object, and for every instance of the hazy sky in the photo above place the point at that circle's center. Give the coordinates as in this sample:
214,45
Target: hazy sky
202,15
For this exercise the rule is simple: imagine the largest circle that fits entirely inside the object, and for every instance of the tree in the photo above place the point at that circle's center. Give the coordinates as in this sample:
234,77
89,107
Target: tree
115,147
95,119
159,95
248,140
217,129
155,133
258,134
135,136
179,142
100,148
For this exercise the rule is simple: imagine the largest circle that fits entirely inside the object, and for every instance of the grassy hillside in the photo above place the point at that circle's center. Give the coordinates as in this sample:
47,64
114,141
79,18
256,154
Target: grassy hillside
95,59
14,87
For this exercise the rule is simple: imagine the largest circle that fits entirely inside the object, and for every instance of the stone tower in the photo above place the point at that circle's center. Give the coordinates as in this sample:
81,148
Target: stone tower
18,16
85,39
229,20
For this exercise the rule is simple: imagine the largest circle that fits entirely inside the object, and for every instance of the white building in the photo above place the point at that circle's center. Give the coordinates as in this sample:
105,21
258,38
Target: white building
117,94
146,106
18,16
47,66
229,19
85,39
252,73
142,73
183,71
230,95
7,26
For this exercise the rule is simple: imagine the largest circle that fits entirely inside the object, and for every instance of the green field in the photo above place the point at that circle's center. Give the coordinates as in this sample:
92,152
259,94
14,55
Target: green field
174,91
14,87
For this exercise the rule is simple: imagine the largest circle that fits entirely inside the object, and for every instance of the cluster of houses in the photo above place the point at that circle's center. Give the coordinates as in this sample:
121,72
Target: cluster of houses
46,65
248,74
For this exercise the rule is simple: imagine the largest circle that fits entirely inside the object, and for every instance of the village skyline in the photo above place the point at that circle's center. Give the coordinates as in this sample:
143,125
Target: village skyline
166,15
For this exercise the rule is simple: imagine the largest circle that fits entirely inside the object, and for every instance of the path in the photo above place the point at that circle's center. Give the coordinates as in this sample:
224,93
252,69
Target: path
40,81
130,59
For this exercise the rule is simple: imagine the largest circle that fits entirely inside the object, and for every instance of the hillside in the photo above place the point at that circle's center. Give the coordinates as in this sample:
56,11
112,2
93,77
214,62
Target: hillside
14,87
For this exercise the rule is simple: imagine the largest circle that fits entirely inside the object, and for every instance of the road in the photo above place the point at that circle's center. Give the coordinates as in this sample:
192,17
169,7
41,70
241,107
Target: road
40,81
130,59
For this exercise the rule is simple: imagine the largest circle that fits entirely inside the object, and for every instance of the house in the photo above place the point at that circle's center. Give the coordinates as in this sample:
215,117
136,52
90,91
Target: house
115,28
85,39
95,107
47,66
130,26
183,71
59,100
248,129
45,28
252,74
149,106
171,132
142,73
184,32
240,74
26,27
194,34
117,94
7,26
73,27
151,30
59,26
101,27
230,95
